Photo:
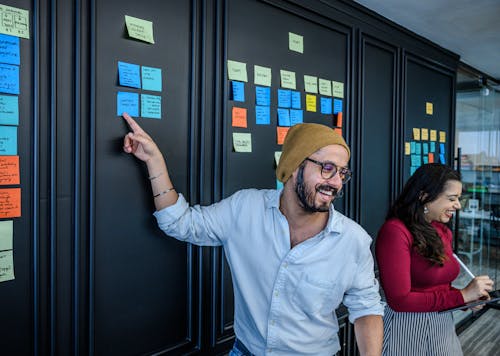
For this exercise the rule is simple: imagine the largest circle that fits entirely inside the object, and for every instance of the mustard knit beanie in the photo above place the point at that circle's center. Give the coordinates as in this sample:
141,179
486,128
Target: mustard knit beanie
301,141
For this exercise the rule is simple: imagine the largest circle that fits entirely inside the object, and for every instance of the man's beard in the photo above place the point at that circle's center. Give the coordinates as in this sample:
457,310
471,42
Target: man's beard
306,196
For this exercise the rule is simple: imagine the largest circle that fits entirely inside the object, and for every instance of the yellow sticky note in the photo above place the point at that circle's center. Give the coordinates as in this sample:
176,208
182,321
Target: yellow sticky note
262,75
407,148
288,79
277,156
310,102
242,142
325,87
139,29
416,134
6,266
295,42
337,89
433,135
237,71
311,84
15,21
425,134
442,136
429,108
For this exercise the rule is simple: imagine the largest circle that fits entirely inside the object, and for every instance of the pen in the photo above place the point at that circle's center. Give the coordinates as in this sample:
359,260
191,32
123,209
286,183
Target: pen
464,266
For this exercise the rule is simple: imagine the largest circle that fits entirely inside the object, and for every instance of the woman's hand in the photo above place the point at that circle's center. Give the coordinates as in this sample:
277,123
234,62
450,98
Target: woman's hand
139,143
477,288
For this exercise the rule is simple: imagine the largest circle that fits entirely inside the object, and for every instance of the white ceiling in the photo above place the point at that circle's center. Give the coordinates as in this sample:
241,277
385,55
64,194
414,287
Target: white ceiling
469,28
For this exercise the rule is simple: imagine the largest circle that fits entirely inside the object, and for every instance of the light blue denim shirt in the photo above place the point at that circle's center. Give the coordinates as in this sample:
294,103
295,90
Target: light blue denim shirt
285,298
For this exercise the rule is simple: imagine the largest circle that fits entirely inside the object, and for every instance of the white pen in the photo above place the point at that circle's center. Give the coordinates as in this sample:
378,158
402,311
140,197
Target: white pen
464,266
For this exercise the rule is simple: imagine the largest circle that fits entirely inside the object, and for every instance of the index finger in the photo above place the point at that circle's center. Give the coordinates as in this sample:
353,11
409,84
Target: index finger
131,122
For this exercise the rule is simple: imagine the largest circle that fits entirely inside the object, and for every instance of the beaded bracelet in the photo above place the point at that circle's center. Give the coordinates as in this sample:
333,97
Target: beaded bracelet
164,192
154,177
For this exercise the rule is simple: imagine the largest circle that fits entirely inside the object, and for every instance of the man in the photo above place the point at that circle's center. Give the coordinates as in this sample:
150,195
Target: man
293,258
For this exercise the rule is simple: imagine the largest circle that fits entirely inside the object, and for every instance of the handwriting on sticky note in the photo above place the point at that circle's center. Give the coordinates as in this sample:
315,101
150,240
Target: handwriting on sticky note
15,21
425,134
311,102
311,84
237,71
337,89
10,203
288,79
416,134
151,106
239,117
139,29
429,108
295,42
242,142
442,136
9,170
325,87
8,140
433,135
129,75
127,102
9,49
407,148
9,79
281,133
9,110
151,78
262,75
6,234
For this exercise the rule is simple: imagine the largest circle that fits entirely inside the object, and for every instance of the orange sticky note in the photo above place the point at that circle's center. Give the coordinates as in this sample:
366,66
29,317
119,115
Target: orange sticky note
9,170
281,134
10,203
338,130
339,119
431,157
239,117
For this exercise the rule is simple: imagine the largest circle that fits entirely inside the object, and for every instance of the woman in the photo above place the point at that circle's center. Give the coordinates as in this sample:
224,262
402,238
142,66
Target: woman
416,265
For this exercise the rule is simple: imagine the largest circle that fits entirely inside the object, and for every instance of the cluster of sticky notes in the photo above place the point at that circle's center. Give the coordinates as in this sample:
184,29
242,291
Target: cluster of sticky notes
426,147
139,77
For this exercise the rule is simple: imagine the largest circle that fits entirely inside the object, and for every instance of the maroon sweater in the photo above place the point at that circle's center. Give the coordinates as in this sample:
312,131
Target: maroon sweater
412,283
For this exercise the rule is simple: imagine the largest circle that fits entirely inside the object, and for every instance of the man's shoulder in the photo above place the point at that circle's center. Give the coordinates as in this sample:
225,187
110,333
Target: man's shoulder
351,227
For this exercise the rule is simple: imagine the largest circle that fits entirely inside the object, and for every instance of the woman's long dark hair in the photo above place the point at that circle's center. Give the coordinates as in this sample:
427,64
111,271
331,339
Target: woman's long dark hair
424,186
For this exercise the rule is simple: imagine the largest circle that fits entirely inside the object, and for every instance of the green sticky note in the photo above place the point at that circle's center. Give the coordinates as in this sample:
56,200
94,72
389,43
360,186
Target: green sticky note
6,266
288,79
242,142
237,71
325,87
139,29
15,21
262,75
338,89
311,84
6,234
295,42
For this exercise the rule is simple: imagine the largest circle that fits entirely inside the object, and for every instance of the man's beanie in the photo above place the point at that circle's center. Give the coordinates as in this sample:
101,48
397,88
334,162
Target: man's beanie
301,141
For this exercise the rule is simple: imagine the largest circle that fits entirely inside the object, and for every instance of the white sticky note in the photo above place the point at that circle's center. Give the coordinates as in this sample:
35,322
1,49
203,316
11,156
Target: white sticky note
295,42
337,89
6,266
237,71
6,234
139,29
242,142
262,75
311,84
277,156
325,87
287,79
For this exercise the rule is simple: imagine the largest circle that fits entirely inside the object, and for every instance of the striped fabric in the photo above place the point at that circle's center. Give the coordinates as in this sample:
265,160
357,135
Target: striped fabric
420,334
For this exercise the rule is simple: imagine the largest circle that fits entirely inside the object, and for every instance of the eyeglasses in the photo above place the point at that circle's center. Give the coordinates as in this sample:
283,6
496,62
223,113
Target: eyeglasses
329,170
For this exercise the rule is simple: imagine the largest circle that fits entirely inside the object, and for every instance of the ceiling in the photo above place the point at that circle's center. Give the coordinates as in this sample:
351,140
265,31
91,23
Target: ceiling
469,28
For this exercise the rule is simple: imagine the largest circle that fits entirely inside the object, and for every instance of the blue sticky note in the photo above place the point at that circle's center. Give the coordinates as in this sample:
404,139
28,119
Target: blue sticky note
326,105
296,117
9,110
416,160
425,159
129,75
425,148
296,100
238,90
8,140
262,115
337,106
433,147
263,96
418,148
9,79
279,185
441,148
412,147
284,98
151,106
283,117
127,102
9,49
151,78
442,159
413,169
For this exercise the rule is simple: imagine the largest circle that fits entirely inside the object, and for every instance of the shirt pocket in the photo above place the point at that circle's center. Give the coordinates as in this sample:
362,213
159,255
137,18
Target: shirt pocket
317,296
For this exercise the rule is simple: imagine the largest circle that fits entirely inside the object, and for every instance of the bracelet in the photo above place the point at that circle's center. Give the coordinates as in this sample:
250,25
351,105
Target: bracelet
154,177
164,192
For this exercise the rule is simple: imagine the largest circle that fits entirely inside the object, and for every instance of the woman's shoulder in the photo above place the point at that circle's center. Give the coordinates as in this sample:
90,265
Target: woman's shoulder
394,228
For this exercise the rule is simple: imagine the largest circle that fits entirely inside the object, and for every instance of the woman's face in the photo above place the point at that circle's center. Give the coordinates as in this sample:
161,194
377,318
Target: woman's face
445,205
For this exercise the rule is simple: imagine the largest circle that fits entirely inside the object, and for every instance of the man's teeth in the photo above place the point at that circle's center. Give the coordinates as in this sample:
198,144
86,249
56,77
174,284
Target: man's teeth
327,192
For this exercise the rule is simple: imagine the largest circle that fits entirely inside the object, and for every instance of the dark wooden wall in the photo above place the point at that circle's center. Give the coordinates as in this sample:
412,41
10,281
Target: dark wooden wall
94,275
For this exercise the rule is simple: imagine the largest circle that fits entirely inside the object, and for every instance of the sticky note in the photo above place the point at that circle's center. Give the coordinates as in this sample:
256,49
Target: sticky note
311,102
237,71
151,106
412,147
279,185
442,136
6,234
416,134
281,134
283,117
425,148
15,21
151,78
418,148
337,89
442,159
127,102
238,90
413,169
263,96
262,115
277,156
432,147
311,84
242,142
338,130
425,134
9,110
416,160
139,29
296,104
6,266
326,105
339,119
442,148
425,159
129,75
9,50
10,203
431,157
287,79
296,117
9,170
433,135
9,79
8,140
284,98
429,108
295,42
337,106
262,75
239,117
325,87
407,149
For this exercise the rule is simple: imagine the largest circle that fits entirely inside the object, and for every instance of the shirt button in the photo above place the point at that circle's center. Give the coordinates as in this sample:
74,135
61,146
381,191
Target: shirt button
285,264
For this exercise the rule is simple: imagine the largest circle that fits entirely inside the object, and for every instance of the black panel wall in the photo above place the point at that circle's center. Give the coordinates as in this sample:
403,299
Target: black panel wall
93,273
